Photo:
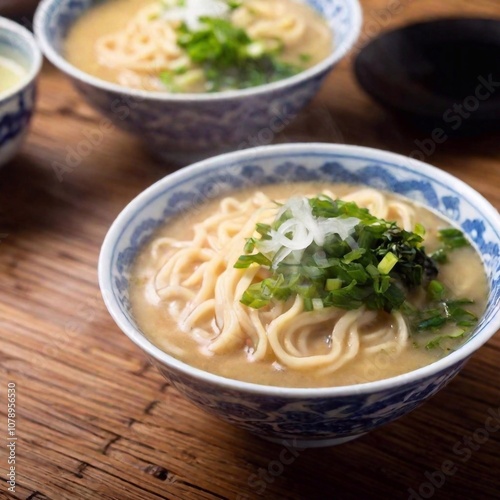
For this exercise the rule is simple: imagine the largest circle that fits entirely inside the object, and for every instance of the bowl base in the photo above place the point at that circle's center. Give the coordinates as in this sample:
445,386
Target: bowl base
302,444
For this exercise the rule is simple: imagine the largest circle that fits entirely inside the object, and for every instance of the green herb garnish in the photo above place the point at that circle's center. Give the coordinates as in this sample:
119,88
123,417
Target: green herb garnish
234,4
436,290
436,342
451,238
441,314
373,266
169,4
229,57
353,260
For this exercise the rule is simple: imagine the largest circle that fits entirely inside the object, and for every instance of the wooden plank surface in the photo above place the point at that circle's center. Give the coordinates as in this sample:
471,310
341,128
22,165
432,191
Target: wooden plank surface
96,421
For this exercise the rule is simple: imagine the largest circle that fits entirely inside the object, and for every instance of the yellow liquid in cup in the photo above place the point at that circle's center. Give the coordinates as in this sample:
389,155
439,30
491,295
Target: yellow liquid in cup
11,74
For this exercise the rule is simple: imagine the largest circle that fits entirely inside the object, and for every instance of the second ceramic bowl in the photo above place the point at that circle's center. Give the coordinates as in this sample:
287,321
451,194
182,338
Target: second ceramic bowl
184,127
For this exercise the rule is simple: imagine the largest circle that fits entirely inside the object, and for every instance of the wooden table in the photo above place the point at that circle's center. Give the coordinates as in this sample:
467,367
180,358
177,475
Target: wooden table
95,420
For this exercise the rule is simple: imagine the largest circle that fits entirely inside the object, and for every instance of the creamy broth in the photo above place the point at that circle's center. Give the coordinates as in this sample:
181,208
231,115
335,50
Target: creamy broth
11,73
157,324
303,48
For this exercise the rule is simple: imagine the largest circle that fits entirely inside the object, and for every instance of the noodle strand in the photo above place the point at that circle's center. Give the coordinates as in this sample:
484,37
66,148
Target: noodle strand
197,281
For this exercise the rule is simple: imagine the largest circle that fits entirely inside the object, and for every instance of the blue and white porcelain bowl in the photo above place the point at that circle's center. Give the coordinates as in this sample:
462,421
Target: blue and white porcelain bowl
17,103
185,127
307,417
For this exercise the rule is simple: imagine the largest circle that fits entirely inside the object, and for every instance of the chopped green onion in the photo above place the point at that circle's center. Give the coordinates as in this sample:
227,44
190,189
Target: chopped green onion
249,245
333,284
308,304
255,50
234,4
317,304
387,263
453,238
254,297
229,58
372,270
263,229
246,260
419,229
440,256
354,255
381,283
374,264
443,312
348,297
459,315
436,342
436,290
432,323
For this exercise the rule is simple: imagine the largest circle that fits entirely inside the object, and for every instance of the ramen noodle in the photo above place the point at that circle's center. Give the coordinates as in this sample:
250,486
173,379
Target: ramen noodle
191,298
198,45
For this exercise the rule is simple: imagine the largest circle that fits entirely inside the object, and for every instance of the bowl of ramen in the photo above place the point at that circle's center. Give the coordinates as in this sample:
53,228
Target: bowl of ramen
195,77
307,292
20,63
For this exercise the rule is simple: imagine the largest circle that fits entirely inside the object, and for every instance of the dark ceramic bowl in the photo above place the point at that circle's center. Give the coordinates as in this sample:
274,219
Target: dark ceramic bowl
440,74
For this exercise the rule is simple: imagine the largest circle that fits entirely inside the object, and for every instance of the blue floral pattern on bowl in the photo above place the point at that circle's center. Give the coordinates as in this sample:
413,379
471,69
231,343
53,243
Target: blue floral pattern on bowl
308,421
317,417
184,129
15,115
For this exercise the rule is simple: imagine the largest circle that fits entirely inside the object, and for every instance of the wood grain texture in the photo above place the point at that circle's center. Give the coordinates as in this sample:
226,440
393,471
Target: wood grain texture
96,421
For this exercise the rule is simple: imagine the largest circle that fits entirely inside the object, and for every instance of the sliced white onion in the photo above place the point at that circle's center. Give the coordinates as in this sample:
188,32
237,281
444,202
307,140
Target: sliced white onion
192,10
317,304
298,232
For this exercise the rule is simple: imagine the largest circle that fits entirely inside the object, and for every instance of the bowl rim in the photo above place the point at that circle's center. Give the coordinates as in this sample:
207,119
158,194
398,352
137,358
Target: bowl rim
225,160
35,63
41,17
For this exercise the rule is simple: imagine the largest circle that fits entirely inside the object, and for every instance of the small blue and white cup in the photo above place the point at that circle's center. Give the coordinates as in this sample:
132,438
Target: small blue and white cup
17,47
